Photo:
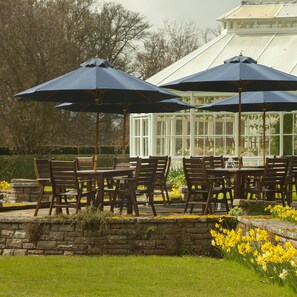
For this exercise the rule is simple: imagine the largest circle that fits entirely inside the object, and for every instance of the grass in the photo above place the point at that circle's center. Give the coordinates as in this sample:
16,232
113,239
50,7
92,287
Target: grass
131,276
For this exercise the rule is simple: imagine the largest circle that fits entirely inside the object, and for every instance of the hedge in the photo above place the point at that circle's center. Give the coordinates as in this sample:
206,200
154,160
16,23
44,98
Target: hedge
69,150
21,166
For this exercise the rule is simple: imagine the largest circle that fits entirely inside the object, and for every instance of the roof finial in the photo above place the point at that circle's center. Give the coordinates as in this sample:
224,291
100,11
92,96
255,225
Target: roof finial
241,53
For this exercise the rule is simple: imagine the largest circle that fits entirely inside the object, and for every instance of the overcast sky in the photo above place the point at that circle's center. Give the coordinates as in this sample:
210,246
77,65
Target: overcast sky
203,12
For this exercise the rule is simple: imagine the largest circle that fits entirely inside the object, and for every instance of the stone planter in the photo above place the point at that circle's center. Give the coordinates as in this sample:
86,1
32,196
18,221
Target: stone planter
23,190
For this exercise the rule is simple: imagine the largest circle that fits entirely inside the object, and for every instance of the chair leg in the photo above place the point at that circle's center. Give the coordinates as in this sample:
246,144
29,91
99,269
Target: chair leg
187,200
151,199
41,192
51,204
133,199
166,193
226,202
163,194
77,205
289,194
208,204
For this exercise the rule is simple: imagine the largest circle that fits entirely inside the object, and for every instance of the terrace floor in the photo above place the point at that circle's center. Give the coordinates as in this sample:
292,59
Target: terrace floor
173,208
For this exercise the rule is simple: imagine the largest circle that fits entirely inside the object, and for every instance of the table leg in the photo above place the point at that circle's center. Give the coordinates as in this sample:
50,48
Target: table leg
237,186
100,193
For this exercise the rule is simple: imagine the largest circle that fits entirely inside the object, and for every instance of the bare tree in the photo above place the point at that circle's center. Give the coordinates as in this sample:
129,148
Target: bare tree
42,39
169,44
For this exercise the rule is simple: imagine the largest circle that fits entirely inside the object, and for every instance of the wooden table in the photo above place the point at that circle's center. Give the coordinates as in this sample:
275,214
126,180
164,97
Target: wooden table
100,175
237,174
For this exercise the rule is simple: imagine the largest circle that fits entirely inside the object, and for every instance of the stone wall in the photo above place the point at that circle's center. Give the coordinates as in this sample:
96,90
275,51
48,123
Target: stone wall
22,190
120,236
285,230
125,236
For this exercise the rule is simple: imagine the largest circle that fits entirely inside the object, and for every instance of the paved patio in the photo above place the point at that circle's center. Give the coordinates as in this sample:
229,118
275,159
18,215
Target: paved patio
174,208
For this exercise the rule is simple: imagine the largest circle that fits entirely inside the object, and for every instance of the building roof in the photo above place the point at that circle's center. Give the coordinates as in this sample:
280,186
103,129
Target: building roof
265,32
261,11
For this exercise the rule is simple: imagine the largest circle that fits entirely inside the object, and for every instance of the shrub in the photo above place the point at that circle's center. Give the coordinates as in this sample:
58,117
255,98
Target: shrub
176,177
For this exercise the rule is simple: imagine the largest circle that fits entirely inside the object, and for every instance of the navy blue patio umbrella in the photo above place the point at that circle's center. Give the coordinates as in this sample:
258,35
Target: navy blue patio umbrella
97,82
238,74
164,106
257,102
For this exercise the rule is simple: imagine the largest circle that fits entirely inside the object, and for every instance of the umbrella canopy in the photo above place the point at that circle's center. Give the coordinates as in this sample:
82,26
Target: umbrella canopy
257,102
168,105
238,74
96,81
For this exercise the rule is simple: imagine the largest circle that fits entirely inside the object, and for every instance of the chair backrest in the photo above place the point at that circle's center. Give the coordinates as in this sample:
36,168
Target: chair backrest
208,161
195,173
85,163
163,165
63,175
42,168
146,172
294,166
218,162
275,170
124,162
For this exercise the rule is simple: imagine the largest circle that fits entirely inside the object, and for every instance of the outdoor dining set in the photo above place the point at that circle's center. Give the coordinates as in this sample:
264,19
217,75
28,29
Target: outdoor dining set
128,179
213,182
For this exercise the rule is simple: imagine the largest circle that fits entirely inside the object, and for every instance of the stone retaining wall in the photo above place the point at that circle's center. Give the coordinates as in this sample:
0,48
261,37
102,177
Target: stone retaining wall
285,230
125,236
137,236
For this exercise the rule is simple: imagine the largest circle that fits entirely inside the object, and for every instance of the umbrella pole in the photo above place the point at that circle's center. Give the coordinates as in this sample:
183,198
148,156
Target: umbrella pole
239,127
264,136
96,140
124,133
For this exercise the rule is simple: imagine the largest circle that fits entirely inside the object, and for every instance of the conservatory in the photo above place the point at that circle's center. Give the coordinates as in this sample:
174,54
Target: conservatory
263,30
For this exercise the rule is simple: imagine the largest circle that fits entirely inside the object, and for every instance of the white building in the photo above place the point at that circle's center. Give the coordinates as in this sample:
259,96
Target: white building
263,30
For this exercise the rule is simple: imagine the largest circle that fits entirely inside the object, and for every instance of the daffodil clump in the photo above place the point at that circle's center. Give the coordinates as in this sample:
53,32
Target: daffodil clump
286,213
268,256
175,194
4,185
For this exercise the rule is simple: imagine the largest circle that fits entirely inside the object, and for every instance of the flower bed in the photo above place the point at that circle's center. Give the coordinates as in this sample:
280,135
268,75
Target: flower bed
267,254
287,214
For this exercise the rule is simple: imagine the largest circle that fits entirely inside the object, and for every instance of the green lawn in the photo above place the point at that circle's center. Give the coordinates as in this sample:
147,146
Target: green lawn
130,276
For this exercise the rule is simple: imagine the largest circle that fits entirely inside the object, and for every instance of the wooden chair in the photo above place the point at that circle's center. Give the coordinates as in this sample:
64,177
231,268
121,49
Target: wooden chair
218,162
125,162
85,163
271,183
163,166
294,171
289,181
135,188
202,189
42,173
110,189
66,185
